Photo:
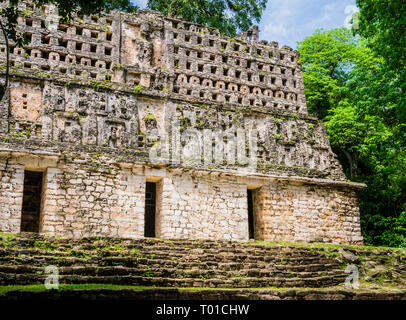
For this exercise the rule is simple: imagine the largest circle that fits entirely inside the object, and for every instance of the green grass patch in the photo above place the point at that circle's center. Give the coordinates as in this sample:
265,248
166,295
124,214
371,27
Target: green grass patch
41,287
8,235
88,286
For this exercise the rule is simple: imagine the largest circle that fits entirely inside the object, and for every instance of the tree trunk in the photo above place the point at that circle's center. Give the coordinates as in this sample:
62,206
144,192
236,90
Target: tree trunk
352,160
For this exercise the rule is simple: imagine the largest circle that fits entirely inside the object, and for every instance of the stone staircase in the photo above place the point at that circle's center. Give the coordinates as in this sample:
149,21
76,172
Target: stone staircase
166,263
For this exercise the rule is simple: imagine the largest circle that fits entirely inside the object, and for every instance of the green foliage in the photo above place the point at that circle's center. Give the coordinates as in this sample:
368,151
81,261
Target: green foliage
99,84
382,23
351,88
388,230
229,16
327,58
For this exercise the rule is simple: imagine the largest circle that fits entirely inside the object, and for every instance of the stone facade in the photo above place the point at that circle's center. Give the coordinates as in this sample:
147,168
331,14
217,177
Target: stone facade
105,104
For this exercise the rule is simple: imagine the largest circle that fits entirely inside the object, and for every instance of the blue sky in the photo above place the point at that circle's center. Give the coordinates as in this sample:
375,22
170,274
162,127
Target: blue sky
289,21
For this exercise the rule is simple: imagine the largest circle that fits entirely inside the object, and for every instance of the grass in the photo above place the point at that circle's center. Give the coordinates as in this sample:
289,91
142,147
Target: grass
8,235
41,287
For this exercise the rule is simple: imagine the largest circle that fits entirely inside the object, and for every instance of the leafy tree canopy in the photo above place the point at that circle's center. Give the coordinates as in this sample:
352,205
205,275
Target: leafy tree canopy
229,16
383,24
350,87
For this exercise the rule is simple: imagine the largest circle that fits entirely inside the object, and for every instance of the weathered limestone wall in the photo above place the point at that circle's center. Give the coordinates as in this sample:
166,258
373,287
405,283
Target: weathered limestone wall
204,208
69,117
11,195
80,201
111,81
303,212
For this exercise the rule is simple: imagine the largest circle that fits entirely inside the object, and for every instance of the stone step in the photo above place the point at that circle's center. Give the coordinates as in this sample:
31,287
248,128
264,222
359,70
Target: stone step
247,249
238,254
168,272
233,282
173,251
171,261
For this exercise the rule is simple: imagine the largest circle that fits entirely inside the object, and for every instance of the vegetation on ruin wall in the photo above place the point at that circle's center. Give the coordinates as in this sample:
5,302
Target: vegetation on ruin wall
355,82
66,8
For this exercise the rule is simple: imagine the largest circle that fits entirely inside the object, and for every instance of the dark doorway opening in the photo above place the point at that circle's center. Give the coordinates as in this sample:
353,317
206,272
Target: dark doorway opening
30,215
250,215
150,209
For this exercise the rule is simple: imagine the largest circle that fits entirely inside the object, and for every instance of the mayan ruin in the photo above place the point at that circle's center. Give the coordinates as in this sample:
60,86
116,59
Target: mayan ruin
140,125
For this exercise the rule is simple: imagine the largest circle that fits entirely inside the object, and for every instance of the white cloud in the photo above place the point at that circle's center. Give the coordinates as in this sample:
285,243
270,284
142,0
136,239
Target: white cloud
278,19
141,3
276,30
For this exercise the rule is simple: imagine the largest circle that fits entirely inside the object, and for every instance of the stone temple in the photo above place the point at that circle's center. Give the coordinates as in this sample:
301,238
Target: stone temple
141,125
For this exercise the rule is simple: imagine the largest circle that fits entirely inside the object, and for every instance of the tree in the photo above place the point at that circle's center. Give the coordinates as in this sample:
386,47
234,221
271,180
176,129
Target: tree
383,24
229,16
12,9
350,88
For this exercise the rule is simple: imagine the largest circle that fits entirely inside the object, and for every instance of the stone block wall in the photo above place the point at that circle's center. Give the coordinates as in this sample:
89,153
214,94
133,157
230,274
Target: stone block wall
80,201
306,212
11,195
196,207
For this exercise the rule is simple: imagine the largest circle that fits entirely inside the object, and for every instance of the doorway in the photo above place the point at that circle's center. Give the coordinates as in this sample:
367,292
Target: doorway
251,230
150,209
31,209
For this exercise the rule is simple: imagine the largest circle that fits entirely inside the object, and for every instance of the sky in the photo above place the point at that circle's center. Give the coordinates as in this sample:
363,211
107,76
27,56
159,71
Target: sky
289,21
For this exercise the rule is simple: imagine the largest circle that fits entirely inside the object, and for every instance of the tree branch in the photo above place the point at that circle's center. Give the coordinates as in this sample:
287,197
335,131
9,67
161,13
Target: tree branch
7,59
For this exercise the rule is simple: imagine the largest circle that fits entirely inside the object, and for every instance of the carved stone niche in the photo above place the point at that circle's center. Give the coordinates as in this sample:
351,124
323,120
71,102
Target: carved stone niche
142,46
133,77
70,130
143,54
115,134
54,99
26,101
86,101
131,34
